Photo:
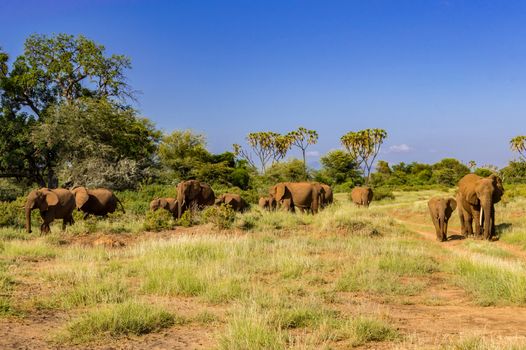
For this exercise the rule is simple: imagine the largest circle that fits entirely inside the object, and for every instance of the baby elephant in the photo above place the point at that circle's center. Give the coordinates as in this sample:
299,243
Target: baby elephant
169,204
234,200
441,210
267,203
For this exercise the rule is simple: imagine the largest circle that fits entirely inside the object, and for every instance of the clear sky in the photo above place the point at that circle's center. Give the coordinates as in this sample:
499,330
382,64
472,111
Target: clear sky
445,78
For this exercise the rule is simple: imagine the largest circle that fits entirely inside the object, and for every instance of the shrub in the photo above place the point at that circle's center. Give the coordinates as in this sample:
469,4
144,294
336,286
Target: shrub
12,213
365,329
158,221
222,217
382,193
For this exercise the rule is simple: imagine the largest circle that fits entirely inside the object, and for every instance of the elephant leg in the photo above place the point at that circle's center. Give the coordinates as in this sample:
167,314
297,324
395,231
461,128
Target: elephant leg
469,224
463,230
437,226
478,229
444,233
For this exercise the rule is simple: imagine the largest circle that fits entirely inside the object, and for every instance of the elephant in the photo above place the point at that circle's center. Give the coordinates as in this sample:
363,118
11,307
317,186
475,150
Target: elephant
476,200
441,210
53,204
97,201
267,203
193,193
362,196
233,200
304,195
168,203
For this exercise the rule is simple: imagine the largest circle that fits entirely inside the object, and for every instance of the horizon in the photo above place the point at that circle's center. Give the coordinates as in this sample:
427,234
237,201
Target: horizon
445,79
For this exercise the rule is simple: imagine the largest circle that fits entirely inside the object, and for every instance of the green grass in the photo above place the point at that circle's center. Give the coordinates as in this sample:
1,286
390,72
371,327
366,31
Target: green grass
363,329
491,281
118,320
28,250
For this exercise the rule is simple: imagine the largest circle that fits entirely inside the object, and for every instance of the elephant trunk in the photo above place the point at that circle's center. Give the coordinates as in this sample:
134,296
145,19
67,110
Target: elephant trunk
442,224
486,209
28,218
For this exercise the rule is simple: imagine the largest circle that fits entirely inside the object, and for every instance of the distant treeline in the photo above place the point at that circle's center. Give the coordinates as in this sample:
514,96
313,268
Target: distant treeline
66,119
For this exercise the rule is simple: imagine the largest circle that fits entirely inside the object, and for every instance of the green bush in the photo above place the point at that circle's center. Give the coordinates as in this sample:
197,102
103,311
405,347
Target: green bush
158,220
12,213
382,193
222,217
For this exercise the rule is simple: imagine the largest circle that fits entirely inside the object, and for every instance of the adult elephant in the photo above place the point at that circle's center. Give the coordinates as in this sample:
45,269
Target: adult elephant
476,200
362,196
168,203
441,210
303,195
97,201
267,203
328,197
53,204
193,193
235,201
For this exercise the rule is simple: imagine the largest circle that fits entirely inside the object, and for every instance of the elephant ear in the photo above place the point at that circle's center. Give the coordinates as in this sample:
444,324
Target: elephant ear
281,189
452,203
81,196
206,191
51,199
472,198
499,188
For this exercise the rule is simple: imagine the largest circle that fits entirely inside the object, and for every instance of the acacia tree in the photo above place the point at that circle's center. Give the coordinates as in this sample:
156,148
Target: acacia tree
303,138
364,146
52,71
518,144
268,146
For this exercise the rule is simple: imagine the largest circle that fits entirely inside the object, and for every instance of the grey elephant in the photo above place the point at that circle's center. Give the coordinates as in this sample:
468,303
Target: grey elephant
476,199
235,201
441,210
193,194
97,201
362,196
267,203
302,195
53,204
167,203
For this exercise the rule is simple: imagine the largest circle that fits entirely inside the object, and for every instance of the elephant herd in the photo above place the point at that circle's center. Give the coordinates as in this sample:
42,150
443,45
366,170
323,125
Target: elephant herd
191,194
476,198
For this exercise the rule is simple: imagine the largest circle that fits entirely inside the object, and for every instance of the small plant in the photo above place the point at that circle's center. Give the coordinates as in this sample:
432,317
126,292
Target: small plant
188,219
382,193
222,217
362,330
158,220
118,320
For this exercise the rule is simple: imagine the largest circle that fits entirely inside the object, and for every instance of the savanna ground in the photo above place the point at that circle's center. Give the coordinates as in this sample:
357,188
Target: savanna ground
349,277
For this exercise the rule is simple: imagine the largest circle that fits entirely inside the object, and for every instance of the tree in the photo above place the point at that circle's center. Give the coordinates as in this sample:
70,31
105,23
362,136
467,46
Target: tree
54,71
95,131
302,138
364,146
268,146
338,167
518,144
182,151
449,171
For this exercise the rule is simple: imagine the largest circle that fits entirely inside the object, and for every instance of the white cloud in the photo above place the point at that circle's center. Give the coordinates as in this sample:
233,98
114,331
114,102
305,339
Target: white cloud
312,154
402,148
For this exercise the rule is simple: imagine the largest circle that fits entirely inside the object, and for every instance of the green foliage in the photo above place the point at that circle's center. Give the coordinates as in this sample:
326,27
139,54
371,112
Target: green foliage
382,193
222,216
364,146
514,172
447,172
291,170
362,330
52,71
12,213
518,144
339,168
158,220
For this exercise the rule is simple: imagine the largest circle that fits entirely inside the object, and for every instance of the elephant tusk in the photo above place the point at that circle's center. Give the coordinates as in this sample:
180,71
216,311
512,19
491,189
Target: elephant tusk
481,216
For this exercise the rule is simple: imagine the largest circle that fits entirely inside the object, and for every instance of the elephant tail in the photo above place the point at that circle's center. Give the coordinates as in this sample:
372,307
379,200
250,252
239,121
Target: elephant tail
122,206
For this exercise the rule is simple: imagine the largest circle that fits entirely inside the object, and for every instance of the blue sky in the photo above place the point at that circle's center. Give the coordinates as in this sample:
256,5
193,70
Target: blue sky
444,78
